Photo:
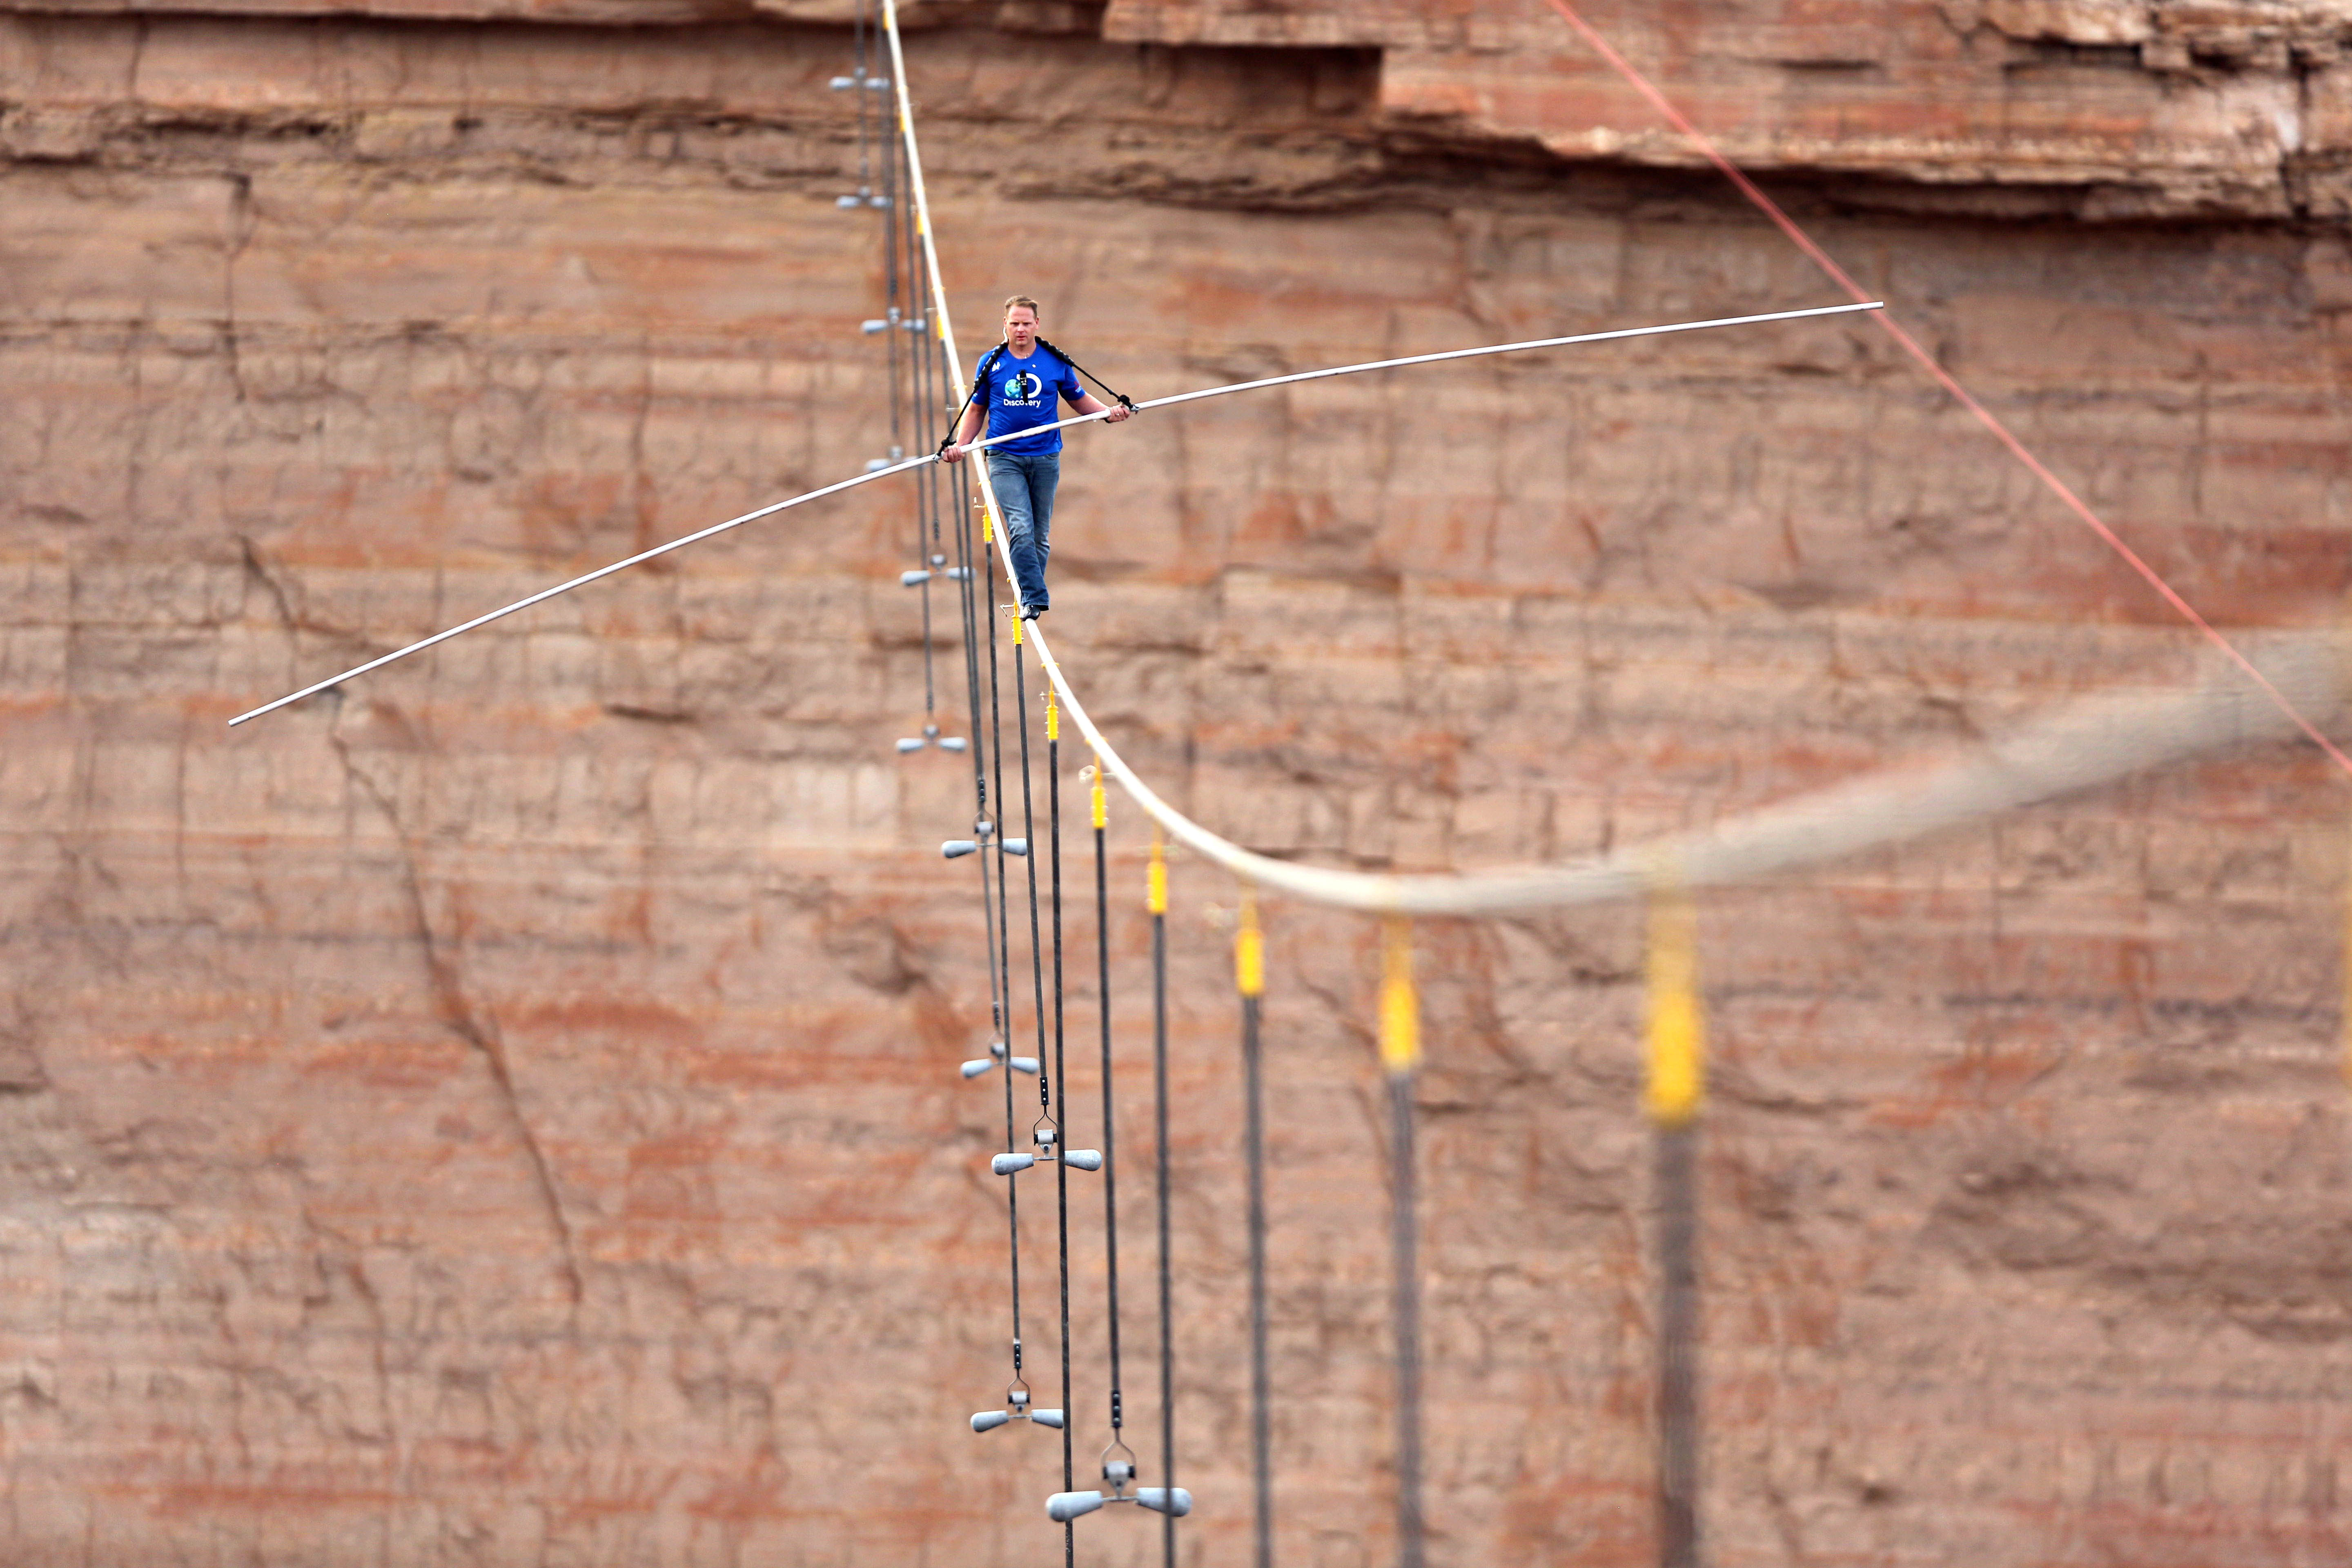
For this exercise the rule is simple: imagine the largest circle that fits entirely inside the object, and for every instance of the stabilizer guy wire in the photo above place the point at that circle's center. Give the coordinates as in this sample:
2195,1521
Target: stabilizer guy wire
1676,1091
1061,1067
1117,1460
1400,1039
1249,979
1927,361
994,846
1156,903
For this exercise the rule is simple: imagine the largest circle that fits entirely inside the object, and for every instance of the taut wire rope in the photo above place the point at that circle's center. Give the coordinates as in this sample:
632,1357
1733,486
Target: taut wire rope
1000,1033
1927,361
1249,979
1061,1069
1155,902
1674,1093
1048,1093
991,845
1400,1043
1099,808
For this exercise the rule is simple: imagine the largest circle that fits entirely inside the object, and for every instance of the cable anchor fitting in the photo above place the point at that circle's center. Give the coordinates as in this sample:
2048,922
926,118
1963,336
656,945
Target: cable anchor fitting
1048,1139
1064,1507
995,1057
931,737
1016,1408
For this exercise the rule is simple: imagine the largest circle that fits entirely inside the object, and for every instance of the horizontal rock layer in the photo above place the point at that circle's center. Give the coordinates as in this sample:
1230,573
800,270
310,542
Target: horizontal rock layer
2105,108
507,1113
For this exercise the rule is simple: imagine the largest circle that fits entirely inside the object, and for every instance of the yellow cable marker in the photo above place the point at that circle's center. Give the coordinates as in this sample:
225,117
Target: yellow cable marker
1249,949
1102,802
1400,1007
1155,894
1053,716
1016,624
1677,1032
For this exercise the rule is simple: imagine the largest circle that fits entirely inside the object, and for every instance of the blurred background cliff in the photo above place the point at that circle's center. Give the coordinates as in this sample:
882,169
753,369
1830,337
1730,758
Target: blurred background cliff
506,1114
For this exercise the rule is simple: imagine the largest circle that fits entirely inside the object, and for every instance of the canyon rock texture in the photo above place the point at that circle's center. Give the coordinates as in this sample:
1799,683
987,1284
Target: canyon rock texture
507,1113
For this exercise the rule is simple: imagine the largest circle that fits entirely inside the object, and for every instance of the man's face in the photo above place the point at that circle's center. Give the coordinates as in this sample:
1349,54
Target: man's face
1021,328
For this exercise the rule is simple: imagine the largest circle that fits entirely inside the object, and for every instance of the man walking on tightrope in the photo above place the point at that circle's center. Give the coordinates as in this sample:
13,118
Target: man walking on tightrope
1019,384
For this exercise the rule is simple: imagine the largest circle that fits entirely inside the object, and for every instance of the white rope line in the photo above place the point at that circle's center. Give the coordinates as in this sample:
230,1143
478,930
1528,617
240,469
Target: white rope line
2083,745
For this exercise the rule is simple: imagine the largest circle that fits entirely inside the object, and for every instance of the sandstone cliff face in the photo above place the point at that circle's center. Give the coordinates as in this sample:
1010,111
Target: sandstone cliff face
508,1114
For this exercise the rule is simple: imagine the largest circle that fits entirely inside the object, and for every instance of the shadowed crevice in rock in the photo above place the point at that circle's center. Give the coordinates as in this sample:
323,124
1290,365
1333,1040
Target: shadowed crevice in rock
470,1021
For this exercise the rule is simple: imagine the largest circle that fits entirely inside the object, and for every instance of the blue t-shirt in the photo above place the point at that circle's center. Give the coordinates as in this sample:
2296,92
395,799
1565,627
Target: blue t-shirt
1021,395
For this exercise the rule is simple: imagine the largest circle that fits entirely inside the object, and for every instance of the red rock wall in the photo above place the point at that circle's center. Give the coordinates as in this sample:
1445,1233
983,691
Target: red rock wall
508,1115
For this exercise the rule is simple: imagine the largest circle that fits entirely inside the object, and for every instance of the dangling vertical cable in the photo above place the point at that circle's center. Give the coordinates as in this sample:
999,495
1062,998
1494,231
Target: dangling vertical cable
1000,1040
893,324
1155,898
886,199
1249,977
991,844
1401,1058
899,244
1061,1071
1029,838
1677,1078
922,419
859,80
1118,1452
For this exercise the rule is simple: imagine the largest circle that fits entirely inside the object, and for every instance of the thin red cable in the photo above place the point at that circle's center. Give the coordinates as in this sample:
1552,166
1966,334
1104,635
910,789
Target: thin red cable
1886,319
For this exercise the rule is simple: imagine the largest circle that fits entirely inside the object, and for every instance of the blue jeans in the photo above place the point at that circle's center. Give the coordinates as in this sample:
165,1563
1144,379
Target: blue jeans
1025,494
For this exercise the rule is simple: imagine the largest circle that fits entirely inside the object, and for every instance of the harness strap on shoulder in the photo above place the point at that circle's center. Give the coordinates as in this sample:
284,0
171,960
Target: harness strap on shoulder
979,380
1121,398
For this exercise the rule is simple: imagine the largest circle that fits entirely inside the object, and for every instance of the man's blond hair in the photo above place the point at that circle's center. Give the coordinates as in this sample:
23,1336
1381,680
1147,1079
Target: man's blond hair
1018,301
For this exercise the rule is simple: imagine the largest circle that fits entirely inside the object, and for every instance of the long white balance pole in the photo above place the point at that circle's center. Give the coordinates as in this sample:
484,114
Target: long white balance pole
913,463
